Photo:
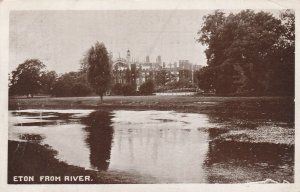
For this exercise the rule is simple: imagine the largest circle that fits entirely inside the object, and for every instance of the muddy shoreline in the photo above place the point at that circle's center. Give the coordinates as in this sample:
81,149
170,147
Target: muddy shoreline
19,153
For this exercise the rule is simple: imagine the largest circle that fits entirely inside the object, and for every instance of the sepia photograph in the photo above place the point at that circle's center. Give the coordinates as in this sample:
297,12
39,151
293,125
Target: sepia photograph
198,96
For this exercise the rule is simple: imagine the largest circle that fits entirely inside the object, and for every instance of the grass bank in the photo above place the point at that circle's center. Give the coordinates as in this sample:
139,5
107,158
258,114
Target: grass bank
190,103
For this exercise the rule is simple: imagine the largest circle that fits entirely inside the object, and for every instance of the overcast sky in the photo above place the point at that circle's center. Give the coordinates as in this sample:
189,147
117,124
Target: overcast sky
60,38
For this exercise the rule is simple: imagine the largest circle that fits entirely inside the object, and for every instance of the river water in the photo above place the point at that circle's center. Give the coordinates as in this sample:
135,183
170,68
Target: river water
161,146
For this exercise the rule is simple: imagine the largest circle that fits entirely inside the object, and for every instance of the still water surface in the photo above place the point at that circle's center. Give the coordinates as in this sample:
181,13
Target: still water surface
164,145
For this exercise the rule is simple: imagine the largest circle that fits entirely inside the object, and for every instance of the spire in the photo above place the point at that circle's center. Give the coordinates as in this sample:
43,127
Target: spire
128,59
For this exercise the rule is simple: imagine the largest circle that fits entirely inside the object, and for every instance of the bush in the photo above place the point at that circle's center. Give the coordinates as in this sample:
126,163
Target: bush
80,90
117,89
127,89
147,88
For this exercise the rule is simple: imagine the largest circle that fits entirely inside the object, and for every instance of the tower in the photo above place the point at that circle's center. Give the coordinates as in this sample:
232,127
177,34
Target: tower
128,59
128,56
158,60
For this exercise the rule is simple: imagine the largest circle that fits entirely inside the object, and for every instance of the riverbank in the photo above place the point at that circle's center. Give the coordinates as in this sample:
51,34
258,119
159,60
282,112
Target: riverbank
224,108
44,163
183,103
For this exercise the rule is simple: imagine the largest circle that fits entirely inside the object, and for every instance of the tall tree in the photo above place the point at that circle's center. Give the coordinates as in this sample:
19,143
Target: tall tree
243,49
98,69
27,78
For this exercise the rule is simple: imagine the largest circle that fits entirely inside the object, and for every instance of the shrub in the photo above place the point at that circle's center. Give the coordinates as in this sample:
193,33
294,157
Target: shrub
147,88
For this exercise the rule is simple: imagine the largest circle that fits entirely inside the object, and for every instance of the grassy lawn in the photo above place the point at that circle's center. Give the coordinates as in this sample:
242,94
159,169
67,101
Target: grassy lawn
155,102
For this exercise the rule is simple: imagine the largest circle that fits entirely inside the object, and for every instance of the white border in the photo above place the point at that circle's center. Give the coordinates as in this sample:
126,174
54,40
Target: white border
6,6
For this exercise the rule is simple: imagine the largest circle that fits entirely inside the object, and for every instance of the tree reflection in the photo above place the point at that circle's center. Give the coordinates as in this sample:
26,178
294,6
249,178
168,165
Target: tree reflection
99,138
249,153
235,162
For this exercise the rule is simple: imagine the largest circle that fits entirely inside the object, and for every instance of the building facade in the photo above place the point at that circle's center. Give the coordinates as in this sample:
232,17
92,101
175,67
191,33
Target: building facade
127,71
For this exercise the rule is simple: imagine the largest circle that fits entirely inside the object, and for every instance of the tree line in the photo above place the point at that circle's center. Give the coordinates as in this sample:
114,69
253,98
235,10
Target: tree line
94,78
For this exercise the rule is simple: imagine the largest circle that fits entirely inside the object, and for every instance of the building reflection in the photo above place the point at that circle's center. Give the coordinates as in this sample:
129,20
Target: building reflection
99,138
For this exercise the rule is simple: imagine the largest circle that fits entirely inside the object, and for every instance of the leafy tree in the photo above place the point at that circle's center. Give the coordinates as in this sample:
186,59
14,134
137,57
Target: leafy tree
98,69
80,89
27,78
84,64
206,78
283,74
128,89
71,84
62,89
243,50
48,80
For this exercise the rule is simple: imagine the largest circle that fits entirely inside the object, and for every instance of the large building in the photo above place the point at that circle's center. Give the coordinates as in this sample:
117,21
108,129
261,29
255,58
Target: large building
127,71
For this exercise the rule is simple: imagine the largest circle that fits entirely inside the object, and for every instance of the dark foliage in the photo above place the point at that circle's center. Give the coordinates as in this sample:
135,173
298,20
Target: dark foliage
48,80
126,89
98,68
71,84
248,53
99,138
147,88
27,78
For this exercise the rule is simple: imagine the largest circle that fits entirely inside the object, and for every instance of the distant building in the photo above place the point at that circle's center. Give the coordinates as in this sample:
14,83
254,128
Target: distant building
185,65
158,60
196,67
125,71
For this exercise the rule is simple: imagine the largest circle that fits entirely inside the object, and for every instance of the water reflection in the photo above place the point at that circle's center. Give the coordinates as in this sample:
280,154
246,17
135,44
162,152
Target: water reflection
167,146
99,138
162,144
